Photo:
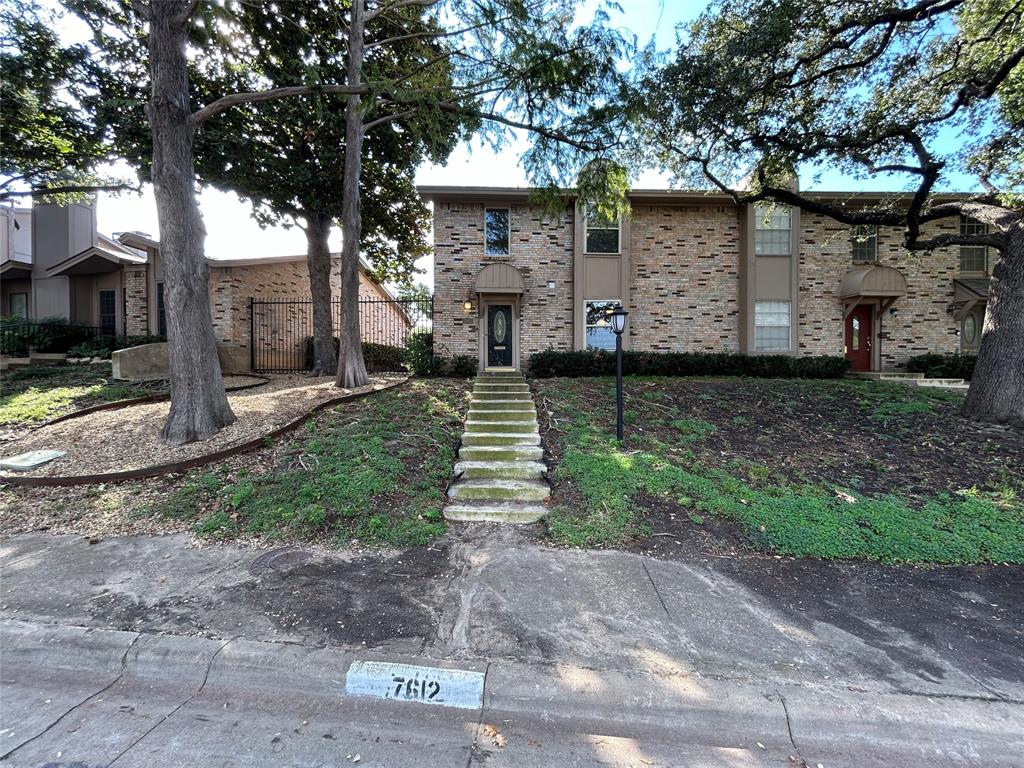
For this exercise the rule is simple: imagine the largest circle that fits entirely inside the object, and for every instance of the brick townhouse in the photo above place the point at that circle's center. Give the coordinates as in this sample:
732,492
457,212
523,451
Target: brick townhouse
696,273
54,263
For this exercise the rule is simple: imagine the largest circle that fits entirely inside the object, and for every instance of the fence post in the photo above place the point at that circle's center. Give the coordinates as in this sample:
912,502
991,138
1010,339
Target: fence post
252,335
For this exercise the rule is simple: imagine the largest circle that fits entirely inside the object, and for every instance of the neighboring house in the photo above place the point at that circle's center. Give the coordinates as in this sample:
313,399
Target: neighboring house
697,273
54,263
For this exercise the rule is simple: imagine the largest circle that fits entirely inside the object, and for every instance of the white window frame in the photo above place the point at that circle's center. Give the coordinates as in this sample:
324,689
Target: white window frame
762,212
508,213
586,325
788,326
864,239
586,237
969,226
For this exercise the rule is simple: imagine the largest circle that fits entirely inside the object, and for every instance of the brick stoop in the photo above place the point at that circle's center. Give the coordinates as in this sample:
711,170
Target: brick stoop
500,473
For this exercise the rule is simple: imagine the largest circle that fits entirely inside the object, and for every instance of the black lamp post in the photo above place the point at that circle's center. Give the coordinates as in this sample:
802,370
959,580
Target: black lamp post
618,317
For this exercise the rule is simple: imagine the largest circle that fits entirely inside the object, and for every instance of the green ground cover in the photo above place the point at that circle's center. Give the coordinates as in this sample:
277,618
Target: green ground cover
38,393
822,469
374,470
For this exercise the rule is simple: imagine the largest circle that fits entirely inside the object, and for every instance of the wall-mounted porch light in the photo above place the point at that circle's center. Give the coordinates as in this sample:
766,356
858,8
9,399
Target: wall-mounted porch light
467,306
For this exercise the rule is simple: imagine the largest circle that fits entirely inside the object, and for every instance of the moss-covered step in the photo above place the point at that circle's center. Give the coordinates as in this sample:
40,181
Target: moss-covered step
500,470
500,490
501,405
488,414
501,426
495,512
474,439
501,453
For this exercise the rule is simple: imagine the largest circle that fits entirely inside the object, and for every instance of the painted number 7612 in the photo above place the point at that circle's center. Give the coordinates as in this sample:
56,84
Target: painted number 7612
415,689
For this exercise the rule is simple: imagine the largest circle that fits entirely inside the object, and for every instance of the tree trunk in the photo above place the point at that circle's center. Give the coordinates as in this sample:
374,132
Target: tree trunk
997,386
351,368
318,260
199,404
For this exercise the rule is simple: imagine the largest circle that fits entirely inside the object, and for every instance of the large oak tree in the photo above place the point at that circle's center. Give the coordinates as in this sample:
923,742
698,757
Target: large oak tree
905,90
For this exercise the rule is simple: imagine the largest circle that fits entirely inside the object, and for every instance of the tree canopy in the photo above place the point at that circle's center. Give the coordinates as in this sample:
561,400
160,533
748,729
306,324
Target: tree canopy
49,146
906,90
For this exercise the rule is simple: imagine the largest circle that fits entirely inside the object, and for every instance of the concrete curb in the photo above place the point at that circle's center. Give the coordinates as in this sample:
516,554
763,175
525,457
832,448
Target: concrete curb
198,461
207,697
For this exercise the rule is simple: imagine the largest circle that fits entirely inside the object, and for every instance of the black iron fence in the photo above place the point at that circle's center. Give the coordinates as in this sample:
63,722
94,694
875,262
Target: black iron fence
19,337
281,331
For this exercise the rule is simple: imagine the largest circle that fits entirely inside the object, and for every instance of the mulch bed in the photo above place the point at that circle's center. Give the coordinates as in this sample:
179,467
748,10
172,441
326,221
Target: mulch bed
124,439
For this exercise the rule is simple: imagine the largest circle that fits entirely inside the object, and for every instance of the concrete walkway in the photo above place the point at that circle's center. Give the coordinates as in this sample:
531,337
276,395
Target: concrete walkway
151,652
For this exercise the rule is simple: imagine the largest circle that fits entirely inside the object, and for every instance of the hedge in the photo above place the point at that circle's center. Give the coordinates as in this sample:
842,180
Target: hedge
104,346
423,362
378,357
550,363
943,366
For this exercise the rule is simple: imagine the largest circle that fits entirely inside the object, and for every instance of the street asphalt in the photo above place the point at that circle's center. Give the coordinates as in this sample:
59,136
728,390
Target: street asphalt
153,651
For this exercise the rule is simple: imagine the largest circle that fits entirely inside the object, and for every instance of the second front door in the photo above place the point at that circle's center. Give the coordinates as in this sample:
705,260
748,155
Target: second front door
499,336
859,337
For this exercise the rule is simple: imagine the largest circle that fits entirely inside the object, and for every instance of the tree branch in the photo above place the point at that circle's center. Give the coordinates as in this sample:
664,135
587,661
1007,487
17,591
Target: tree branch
225,103
387,119
70,189
394,6
186,14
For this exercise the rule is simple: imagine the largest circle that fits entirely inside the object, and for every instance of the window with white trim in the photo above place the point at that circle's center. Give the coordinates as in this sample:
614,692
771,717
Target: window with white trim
771,326
865,244
599,324
973,258
496,231
773,227
602,234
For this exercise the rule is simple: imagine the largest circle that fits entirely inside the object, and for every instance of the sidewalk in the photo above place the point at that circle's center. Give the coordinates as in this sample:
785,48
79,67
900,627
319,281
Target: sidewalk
143,651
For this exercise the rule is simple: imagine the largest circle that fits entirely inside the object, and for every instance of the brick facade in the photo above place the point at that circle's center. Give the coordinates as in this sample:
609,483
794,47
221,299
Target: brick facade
136,304
921,322
541,248
684,265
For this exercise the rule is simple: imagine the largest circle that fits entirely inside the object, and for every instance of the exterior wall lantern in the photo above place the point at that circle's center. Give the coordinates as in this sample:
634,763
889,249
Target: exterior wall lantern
618,318
467,306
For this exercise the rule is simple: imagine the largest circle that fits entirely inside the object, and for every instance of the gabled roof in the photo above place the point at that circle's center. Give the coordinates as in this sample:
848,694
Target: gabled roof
105,255
970,289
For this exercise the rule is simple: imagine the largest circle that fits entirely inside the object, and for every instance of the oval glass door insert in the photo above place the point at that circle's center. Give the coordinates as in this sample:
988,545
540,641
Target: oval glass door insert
499,327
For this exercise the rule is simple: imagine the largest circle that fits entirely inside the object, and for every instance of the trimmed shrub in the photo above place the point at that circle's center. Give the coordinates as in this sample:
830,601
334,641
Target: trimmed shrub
943,366
50,334
550,363
423,362
104,346
378,357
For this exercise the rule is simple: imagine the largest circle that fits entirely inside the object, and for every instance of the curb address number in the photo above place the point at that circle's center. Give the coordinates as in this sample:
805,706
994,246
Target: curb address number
408,682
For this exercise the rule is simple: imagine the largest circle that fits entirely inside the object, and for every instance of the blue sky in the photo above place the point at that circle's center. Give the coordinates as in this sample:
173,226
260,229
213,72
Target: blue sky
231,232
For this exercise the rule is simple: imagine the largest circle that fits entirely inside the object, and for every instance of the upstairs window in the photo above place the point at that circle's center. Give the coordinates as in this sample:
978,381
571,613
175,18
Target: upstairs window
599,325
771,326
602,234
973,258
496,231
865,244
772,230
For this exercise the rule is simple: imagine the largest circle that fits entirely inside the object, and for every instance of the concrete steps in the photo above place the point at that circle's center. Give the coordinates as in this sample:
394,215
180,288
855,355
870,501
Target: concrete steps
500,473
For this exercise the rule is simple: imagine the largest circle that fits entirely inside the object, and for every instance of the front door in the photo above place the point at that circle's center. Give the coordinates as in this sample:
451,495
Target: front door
499,336
858,337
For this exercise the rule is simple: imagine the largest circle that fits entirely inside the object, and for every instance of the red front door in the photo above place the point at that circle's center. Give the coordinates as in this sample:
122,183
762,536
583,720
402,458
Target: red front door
858,337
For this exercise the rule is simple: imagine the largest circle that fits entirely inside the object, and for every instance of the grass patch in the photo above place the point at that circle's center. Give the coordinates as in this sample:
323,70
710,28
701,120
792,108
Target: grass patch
611,486
374,470
38,393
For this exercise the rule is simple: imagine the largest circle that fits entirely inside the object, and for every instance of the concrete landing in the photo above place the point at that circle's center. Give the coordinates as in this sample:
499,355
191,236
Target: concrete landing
500,473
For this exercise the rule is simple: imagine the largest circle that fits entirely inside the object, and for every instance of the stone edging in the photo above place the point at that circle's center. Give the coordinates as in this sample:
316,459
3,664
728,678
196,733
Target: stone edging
157,398
198,461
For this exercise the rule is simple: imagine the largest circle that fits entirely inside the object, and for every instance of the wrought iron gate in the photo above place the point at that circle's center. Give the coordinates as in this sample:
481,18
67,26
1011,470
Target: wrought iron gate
281,331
